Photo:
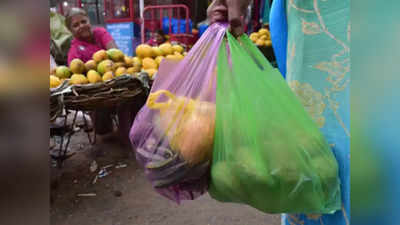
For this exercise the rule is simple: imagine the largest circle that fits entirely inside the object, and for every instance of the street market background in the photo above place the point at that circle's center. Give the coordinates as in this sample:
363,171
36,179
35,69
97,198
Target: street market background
125,196
25,195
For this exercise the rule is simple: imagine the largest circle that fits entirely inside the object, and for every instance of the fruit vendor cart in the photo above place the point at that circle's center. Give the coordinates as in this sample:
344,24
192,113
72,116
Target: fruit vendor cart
70,100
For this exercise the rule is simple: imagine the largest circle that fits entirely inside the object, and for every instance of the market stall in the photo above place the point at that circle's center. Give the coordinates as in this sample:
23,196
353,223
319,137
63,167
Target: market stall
86,88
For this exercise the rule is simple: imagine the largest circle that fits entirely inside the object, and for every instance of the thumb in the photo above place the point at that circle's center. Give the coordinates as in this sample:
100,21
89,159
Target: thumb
236,12
236,27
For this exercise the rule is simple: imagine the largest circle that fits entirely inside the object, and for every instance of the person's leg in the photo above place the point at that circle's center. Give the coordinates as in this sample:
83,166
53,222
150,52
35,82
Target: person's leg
126,115
102,121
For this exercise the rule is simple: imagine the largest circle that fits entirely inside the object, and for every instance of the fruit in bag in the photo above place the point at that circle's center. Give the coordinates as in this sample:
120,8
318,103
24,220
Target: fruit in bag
173,134
188,124
277,154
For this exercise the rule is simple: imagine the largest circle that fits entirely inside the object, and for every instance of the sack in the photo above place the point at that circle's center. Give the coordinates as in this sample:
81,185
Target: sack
173,134
268,153
60,38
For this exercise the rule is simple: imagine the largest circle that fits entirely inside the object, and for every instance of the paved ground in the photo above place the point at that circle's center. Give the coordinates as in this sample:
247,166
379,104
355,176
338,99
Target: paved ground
125,197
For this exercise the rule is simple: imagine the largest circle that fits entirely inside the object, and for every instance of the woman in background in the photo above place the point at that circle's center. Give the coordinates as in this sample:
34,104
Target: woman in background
86,42
158,37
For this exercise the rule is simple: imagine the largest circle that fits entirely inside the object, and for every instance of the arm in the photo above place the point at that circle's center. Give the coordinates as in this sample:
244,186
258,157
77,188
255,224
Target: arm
236,9
111,44
106,39
230,11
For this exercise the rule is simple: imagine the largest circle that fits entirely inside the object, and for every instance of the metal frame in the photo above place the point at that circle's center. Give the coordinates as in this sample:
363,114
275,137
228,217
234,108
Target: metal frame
170,9
131,17
78,3
67,134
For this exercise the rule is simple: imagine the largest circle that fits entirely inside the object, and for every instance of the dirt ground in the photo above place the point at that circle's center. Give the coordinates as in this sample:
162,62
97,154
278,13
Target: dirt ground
125,197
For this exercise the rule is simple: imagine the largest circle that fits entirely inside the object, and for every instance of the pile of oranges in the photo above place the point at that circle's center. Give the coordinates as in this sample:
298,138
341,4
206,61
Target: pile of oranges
262,37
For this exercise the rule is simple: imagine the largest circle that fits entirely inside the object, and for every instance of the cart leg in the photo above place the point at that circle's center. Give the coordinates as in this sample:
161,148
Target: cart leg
115,119
92,141
60,151
62,156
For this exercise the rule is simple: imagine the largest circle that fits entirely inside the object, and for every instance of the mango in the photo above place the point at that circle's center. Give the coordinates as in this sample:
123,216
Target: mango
264,37
144,50
254,37
115,55
177,48
263,31
78,79
159,59
94,77
77,66
132,70
260,42
91,65
108,76
63,72
100,55
166,48
173,57
179,55
54,81
128,61
118,65
137,62
120,71
157,52
149,63
150,72
105,66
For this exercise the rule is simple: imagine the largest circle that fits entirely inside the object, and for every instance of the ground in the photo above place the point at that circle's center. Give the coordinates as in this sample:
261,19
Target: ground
125,197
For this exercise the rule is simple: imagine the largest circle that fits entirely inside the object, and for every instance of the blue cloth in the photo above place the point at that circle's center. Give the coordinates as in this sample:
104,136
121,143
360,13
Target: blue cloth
202,29
316,43
279,32
174,25
265,11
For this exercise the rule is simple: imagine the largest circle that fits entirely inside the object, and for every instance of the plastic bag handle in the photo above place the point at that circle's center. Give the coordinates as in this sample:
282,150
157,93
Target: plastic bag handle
254,51
251,54
238,47
151,101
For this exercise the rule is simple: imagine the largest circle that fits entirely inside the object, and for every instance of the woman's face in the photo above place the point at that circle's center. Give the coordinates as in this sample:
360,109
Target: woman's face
217,11
80,27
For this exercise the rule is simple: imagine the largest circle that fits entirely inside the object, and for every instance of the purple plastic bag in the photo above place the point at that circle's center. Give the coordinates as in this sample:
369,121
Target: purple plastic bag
177,123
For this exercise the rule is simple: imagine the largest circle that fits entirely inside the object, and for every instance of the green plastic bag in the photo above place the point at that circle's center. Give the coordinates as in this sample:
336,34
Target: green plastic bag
268,153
